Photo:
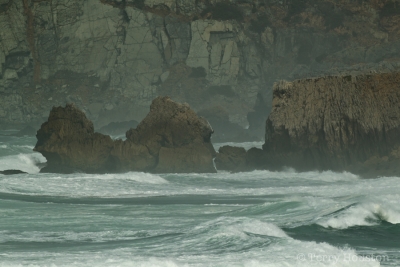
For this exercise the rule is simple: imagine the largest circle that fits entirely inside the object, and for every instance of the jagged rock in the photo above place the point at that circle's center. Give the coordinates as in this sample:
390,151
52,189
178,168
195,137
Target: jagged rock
12,172
175,134
172,138
68,141
337,123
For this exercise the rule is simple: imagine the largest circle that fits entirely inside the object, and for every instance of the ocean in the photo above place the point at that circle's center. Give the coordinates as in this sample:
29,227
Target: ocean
251,219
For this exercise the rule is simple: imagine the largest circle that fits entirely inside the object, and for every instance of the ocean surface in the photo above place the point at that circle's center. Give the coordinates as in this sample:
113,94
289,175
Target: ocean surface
258,218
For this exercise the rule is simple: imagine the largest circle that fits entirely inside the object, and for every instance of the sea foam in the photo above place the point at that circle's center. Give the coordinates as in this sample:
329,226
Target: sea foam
24,162
366,214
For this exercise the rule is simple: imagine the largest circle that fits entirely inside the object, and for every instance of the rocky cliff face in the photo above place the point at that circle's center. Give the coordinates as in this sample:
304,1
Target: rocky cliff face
112,57
336,122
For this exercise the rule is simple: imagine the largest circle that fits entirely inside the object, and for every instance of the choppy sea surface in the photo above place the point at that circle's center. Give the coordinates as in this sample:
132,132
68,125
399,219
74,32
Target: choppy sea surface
258,218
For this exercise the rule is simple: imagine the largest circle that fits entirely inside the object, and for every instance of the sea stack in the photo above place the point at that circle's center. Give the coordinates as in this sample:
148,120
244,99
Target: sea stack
68,141
336,123
171,138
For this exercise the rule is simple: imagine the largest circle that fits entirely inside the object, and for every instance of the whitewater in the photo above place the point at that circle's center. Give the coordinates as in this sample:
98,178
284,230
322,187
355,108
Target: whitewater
251,219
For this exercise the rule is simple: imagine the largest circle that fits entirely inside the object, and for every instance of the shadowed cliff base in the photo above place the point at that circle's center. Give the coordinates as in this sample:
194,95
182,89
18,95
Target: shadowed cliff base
339,123
171,138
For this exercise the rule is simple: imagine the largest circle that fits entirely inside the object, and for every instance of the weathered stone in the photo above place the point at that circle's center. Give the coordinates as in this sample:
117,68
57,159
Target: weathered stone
175,133
172,138
128,156
231,158
68,141
125,47
334,122
10,74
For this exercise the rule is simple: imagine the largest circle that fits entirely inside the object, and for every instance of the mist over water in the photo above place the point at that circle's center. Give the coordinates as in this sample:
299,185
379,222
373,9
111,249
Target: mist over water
258,218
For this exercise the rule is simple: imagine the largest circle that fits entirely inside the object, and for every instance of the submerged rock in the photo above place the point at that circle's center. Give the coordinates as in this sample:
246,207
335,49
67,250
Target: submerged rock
171,138
12,172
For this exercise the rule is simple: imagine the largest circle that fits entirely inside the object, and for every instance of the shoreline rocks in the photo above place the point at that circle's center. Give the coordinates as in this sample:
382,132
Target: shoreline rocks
338,123
68,141
171,138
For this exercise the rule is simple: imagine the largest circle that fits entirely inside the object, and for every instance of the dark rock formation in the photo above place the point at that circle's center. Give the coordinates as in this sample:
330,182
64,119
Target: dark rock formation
12,172
336,122
237,159
175,135
172,138
257,117
68,141
231,158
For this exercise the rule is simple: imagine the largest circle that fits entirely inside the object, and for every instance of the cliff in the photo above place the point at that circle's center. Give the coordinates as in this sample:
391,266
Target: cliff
336,123
111,58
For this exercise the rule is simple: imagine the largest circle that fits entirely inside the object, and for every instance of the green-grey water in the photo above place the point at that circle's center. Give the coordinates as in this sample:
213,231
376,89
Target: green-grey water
257,218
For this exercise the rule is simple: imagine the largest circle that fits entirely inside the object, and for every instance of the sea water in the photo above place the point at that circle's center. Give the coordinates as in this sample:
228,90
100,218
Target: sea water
257,218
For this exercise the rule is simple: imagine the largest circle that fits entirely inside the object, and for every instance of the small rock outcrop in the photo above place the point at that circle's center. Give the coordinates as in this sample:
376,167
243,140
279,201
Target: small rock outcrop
171,138
230,158
237,159
338,123
12,172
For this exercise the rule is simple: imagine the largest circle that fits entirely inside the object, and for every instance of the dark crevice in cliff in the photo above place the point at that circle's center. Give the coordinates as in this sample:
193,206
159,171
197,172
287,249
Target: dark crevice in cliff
389,8
223,11
167,46
5,7
30,32
53,19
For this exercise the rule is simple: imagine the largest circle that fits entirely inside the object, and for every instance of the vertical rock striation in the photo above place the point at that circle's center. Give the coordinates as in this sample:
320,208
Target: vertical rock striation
112,57
336,122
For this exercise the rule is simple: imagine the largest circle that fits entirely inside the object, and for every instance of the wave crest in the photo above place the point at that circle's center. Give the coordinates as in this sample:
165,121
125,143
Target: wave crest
366,214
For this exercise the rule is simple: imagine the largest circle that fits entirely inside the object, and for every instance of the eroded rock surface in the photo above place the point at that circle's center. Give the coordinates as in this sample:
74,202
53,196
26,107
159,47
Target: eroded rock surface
336,122
231,158
175,133
171,138
68,141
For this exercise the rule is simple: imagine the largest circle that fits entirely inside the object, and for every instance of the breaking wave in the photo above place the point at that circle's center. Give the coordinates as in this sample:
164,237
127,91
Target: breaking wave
367,214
